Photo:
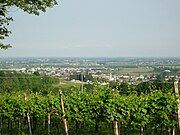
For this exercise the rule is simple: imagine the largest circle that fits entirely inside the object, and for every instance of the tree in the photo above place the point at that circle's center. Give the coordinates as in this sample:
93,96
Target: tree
124,88
29,6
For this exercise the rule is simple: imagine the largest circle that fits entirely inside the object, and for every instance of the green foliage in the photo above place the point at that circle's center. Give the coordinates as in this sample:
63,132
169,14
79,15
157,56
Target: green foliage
150,104
4,21
101,106
143,87
153,109
30,6
14,82
147,87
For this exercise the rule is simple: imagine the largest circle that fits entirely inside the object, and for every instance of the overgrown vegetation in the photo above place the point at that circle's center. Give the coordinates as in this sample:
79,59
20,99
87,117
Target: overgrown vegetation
150,105
89,113
15,82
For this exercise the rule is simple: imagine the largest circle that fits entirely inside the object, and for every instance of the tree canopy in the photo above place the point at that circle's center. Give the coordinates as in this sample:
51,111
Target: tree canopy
29,6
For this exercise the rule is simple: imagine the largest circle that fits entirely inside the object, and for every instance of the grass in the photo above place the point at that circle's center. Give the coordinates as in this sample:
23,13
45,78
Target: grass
135,71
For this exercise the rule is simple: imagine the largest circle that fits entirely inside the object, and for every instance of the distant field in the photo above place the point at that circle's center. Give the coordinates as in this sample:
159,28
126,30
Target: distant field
68,84
177,66
135,71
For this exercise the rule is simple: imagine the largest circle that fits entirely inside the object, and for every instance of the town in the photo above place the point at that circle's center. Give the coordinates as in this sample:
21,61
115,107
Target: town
88,70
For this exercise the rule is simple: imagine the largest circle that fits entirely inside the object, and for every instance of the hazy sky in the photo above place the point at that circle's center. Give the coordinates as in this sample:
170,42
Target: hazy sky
96,28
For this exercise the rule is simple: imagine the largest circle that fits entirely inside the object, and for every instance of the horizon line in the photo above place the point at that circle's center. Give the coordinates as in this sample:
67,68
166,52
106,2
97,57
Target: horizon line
89,57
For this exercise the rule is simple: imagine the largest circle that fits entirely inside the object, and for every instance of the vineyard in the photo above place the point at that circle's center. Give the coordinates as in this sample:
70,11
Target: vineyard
100,111
90,67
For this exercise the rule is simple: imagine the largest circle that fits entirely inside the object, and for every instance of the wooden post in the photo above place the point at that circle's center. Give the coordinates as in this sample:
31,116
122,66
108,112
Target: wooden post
10,126
1,126
141,131
63,113
174,131
115,124
28,117
82,82
19,125
97,127
119,127
49,123
178,111
76,130
44,123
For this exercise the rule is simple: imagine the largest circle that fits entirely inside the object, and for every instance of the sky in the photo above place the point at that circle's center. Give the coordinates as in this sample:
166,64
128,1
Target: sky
98,28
